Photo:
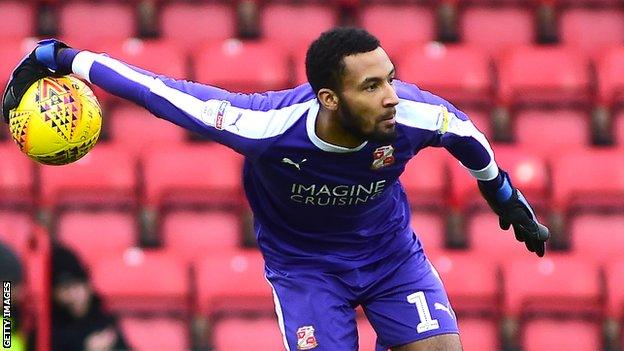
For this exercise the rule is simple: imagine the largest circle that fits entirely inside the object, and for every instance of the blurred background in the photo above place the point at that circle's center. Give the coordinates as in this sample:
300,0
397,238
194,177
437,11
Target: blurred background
163,251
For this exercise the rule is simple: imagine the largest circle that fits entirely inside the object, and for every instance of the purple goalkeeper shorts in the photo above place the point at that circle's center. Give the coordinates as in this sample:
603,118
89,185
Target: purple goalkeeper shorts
403,299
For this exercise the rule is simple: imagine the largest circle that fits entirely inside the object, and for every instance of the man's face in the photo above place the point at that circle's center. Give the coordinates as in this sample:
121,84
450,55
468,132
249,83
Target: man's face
368,99
75,297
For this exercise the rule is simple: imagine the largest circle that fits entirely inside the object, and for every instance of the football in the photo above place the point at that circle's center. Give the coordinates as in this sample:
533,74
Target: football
57,121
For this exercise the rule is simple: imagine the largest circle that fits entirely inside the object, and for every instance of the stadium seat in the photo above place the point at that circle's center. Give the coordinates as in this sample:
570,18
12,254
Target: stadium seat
610,74
17,177
430,66
281,22
478,334
528,172
142,281
232,281
104,20
487,239
559,283
191,235
93,235
242,66
410,24
425,179
127,126
155,333
105,176
588,178
493,29
20,20
191,23
619,129
15,230
584,229
429,227
591,29
530,75
205,174
11,52
533,130
367,337
561,334
614,273
246,333
480,293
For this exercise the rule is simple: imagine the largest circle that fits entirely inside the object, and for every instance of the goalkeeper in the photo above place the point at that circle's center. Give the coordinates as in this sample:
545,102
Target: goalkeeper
322,163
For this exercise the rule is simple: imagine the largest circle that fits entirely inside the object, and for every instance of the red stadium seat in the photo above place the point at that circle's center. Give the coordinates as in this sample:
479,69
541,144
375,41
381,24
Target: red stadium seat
105,176
487,239
11,52
588,178
429,227
196,173
191,235
557,283
528,172
614,273
142,281
242,334
480,293
543,75
585,227
492,29
592,29
17,177
189,24
19,20
425,180
410,24
232,281
242,66
104,20
15,230
534,130
128,123
610,72
619,129
478,334
558,334
281,22
155,333
299,56
430,65
367,337
93,235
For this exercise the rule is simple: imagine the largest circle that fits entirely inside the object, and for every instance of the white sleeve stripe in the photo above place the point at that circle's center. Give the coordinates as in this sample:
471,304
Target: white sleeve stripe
488,173
82,64
279,313
219,114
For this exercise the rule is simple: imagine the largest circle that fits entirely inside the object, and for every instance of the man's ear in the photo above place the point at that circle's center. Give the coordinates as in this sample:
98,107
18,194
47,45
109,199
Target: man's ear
328,98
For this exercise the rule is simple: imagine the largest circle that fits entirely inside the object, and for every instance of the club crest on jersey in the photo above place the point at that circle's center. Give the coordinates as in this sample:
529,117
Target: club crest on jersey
305,338
382,157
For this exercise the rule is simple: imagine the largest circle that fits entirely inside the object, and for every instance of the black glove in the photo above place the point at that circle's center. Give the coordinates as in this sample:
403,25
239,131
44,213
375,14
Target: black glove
40,63
517,213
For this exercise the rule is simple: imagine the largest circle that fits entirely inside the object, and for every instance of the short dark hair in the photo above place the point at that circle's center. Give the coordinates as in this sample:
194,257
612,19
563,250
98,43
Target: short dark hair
325,57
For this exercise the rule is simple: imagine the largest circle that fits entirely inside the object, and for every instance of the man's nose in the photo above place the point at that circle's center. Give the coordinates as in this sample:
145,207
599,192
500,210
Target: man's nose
392,99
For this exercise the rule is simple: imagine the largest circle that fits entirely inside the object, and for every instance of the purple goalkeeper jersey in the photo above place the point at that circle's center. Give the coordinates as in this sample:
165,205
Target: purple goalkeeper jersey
316,205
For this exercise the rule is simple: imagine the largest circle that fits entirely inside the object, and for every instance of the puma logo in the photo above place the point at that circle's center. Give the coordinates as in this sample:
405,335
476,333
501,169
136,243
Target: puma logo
297,165
439,306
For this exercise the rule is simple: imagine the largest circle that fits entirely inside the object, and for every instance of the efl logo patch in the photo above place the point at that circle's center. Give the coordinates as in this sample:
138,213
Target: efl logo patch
382,157
213,113
221,114
305,338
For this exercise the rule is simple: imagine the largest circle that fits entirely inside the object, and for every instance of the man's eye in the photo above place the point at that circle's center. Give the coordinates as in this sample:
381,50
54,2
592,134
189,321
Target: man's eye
391,80
371,87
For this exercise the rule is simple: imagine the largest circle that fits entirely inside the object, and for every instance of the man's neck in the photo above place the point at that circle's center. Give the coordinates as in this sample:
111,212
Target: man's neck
329,129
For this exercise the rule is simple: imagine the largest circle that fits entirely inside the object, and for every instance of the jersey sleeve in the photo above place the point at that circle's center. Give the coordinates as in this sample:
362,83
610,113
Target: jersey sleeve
433,121
245,122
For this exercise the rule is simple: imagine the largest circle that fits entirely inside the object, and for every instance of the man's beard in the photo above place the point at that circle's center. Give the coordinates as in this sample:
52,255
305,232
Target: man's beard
351,123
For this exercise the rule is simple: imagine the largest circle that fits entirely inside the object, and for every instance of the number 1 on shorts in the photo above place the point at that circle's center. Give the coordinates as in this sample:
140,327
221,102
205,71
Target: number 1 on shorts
426,322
